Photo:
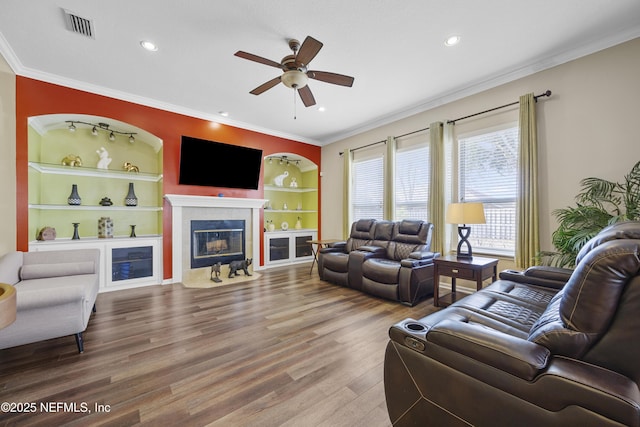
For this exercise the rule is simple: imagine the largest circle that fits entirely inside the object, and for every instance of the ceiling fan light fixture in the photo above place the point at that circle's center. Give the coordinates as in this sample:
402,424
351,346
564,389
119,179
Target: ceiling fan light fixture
294,79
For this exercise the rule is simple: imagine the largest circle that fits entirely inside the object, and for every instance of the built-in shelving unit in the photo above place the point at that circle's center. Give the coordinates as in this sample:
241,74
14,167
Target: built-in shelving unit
50,185
291,213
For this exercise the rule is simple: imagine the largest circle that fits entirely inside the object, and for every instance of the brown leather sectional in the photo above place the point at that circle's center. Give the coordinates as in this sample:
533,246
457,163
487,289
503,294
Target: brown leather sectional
543,347
391,260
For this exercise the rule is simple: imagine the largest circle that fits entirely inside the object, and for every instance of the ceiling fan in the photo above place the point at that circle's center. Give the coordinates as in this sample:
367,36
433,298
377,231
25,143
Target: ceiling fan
296,72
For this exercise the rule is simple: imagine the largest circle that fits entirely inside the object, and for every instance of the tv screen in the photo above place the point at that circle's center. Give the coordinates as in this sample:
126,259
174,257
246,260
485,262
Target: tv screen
215,164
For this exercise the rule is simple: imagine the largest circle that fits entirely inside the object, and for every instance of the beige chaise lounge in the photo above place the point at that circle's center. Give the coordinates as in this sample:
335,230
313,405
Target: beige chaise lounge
56,293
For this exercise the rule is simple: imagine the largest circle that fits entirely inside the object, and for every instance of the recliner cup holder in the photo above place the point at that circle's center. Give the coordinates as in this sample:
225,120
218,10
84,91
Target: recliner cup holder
415,327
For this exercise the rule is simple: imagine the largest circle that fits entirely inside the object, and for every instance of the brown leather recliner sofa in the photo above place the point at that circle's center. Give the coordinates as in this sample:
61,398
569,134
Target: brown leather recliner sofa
391,260
543,347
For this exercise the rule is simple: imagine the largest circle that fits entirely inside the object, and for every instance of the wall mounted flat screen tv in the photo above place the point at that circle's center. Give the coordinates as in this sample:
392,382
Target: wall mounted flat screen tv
215,164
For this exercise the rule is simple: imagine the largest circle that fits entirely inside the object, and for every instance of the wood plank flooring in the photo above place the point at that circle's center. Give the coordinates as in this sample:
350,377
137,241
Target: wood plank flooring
284,350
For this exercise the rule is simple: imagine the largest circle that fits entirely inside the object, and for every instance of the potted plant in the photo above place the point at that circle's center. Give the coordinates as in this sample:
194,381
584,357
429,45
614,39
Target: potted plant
599,204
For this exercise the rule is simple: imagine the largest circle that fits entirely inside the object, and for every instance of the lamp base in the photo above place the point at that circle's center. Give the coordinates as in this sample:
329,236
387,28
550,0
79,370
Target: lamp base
464,232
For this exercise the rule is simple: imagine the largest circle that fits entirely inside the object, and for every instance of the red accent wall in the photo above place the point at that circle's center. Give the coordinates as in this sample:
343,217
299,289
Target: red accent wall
34,98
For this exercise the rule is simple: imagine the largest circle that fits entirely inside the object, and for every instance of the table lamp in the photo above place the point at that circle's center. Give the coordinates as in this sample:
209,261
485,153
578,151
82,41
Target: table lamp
465,213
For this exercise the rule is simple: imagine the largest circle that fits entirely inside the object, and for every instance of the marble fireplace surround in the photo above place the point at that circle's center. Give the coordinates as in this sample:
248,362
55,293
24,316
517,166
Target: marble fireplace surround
185,208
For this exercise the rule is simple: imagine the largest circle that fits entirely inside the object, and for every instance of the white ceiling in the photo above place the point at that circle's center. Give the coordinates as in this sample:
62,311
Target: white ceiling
394,49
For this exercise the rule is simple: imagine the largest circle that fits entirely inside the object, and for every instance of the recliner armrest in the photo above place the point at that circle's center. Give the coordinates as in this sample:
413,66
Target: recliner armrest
551,277
371,249
419,258
335,247
516,356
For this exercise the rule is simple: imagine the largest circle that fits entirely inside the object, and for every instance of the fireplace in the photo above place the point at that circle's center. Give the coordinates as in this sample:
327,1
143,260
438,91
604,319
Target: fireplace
215,241
185,208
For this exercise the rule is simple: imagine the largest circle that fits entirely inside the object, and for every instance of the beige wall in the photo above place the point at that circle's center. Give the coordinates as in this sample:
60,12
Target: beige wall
588,127
7,158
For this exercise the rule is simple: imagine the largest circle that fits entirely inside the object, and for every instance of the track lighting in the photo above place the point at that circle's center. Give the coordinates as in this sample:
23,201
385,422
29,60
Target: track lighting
96,127
284,160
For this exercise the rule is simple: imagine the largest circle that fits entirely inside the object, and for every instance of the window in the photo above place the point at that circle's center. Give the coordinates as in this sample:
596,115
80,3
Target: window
488,172
412,183
368,188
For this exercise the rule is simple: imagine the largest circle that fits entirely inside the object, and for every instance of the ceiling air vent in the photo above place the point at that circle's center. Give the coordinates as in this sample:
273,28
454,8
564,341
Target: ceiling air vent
79,25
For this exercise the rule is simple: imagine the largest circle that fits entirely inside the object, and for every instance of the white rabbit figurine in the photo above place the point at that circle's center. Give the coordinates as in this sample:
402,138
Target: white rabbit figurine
279,180
104,161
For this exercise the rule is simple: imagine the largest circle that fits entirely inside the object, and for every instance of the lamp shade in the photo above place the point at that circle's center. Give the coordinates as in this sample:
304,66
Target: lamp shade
465,213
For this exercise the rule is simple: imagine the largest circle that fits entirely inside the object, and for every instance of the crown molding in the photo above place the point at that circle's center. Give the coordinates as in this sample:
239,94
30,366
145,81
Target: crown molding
535,66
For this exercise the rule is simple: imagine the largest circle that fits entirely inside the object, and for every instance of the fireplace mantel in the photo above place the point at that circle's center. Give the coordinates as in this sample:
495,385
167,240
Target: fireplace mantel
180,202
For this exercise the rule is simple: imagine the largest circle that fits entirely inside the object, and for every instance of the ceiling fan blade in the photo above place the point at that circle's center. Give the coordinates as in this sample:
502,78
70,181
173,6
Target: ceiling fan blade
256,58
307,97
333,78
265,86
309,49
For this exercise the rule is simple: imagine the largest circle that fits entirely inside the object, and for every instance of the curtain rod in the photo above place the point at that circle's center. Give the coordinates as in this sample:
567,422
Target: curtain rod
384,141
546,93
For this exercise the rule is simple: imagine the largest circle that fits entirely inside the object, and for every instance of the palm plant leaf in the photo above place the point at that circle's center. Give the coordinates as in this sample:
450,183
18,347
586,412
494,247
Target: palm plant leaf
599,204
601,193
632,193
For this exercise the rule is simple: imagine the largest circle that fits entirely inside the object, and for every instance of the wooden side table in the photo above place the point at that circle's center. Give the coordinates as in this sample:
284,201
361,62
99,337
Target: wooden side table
7,305
320,243
477,269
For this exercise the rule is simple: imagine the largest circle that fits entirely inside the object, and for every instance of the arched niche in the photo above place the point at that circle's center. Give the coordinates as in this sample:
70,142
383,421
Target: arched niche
51,177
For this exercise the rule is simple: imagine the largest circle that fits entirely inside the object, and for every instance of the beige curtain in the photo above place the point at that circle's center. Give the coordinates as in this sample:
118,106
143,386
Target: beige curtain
347,159
436,192
527,234
450,233
389,207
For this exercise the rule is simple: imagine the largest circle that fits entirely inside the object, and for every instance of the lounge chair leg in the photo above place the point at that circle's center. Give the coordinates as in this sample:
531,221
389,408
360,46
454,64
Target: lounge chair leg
94,308
80,342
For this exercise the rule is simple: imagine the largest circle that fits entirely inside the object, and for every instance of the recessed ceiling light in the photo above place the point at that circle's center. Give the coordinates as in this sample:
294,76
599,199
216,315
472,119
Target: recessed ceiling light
150,46
452,41
224,113
321,109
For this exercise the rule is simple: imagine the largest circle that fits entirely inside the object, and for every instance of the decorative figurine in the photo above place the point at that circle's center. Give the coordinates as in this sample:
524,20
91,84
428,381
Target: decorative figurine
279,180
47,233
104,161
298,225
235,266
293,183
106,202
130,167
72,160
215,269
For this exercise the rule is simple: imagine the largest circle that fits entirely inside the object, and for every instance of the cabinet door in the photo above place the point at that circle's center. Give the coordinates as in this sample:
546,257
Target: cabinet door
303,247
278,248
131,263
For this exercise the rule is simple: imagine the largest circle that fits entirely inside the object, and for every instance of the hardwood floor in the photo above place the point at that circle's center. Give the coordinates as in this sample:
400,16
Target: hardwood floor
284,350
